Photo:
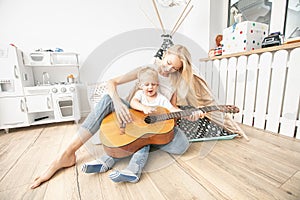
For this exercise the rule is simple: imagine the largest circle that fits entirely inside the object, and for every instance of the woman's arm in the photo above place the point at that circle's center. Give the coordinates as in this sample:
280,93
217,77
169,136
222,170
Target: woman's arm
112,83
121,110
195,115
173,100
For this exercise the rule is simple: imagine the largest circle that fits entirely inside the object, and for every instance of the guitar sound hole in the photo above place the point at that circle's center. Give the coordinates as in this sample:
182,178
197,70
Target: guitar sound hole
150,119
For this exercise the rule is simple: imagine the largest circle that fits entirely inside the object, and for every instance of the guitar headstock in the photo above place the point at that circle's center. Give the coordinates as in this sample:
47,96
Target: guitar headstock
228,108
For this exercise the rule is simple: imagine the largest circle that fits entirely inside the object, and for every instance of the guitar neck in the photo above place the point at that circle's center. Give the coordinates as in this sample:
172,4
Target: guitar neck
181,114
188,112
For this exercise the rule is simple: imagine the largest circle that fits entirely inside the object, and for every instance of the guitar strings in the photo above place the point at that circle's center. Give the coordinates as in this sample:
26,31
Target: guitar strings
184,113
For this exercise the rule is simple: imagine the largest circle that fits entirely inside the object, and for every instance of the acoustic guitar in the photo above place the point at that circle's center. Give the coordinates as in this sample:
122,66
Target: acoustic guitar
156,128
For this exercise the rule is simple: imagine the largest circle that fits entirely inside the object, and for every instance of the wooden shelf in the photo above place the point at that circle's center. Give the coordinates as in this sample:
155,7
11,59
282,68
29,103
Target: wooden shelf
256,51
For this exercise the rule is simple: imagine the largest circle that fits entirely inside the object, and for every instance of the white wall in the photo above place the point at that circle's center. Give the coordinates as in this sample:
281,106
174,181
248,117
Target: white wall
83,26
218,20
74,25
277,16
80,26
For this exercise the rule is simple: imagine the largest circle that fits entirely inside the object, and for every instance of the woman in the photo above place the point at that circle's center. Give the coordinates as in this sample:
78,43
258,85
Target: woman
176,80
145,99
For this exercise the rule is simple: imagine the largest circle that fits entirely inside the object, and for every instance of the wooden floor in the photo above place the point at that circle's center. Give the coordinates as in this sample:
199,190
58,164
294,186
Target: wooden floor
267,167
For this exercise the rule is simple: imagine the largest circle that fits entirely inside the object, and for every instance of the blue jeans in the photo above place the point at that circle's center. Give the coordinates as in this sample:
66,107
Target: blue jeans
105,106
94,119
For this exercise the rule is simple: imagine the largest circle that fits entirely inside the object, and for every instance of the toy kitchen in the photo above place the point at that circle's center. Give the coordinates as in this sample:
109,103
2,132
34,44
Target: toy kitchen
38,87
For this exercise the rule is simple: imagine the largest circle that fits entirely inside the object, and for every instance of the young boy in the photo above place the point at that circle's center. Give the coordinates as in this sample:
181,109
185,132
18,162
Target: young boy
145,100
148,97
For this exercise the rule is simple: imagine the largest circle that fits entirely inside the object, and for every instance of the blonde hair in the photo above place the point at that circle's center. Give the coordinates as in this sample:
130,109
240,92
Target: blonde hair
183,79
146,72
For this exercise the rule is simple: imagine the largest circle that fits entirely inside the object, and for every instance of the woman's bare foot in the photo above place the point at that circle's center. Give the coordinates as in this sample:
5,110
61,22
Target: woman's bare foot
65,160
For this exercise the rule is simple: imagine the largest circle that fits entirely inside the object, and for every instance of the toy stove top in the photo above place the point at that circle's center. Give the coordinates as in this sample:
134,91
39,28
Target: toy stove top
63,87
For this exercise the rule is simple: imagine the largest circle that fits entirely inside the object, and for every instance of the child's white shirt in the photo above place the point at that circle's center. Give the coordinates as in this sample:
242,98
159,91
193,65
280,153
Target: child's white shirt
160,100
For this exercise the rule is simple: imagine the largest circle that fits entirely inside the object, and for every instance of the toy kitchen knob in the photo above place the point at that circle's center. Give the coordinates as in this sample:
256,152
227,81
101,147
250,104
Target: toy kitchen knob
54,90
63,89
72,89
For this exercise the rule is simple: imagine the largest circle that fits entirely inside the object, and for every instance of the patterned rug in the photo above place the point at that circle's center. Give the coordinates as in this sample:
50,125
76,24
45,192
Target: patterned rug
203,129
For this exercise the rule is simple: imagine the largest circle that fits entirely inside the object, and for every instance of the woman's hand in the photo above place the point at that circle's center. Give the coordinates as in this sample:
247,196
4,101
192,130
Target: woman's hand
122,112
196,115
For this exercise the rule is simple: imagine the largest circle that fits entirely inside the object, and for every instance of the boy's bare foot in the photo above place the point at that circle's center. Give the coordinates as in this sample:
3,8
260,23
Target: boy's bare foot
59,163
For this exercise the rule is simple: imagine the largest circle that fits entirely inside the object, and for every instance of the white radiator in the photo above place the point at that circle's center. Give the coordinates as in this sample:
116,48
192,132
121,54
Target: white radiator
265,86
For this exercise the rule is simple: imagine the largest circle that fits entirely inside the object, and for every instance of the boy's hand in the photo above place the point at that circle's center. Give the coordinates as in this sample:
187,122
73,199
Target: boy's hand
148,109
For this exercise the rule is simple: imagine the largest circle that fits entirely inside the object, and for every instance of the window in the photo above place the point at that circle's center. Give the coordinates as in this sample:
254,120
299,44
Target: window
292,22
251,10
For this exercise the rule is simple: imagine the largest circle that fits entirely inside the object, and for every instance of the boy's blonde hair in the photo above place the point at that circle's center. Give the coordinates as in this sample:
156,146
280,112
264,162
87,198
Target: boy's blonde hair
147,72
181,80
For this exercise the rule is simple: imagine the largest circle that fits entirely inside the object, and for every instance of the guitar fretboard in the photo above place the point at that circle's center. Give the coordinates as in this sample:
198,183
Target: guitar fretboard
162,117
